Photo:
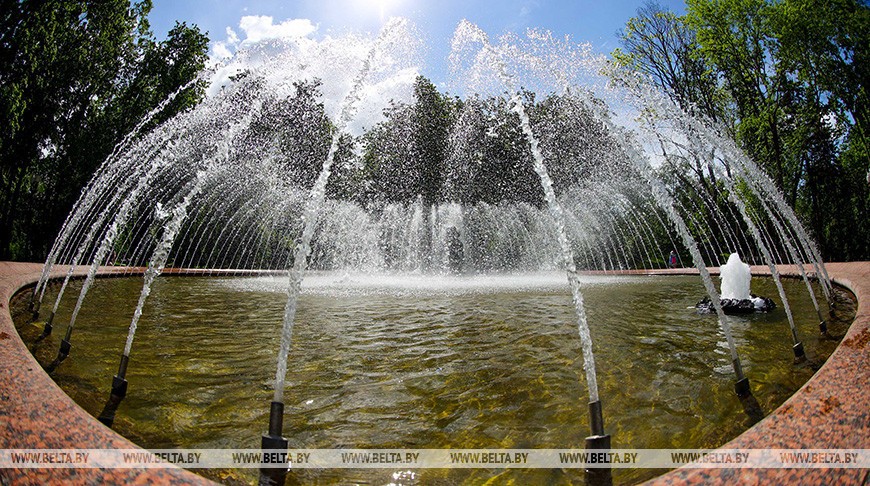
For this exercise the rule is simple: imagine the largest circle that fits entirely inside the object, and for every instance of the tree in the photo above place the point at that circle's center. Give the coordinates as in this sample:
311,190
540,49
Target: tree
661,45
824,45
405,155
578,149
787,80
431,118
75,77
490,158
795,70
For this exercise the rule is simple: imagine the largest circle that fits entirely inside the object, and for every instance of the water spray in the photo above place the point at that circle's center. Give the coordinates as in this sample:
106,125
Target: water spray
598,439
90,198
273,440
175,218
797,345
101,254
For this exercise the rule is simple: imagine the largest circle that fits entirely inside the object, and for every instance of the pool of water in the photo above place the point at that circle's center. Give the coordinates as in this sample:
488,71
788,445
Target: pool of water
427,362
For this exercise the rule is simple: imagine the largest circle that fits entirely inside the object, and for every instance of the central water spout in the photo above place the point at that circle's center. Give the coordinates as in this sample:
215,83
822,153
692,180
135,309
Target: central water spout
735,279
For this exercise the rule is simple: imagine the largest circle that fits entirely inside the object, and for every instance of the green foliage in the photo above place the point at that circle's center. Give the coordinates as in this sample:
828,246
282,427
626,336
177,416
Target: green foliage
298,131
404,155
474,151
490,159
75,78
661,45
787,79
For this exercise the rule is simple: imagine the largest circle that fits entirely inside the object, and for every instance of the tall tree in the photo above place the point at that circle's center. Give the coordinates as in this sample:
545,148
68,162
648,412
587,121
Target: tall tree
490,159
661,45
794,70
432,118
737,37
787,78
825,45
75,77
405,154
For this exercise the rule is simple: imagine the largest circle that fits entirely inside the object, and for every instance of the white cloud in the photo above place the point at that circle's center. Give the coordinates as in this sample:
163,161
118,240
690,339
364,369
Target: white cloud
232,37
530,6
256,28
399,87
260,27
224,49
220,50
289,51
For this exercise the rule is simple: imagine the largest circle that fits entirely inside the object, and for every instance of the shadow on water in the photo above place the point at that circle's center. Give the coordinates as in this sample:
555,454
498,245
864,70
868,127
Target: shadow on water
752,409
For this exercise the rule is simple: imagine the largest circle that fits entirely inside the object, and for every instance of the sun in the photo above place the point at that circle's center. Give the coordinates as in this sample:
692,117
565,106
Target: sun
384,8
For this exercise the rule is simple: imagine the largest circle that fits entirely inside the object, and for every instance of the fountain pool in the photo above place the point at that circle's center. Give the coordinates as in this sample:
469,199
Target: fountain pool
412,361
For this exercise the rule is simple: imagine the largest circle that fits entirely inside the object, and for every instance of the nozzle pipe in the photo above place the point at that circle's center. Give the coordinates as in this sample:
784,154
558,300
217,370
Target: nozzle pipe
601,475
46,331
119,391
799,354
62,354
122,367
65,347
738,369
741,387
273,470
599,441
596,418
276,419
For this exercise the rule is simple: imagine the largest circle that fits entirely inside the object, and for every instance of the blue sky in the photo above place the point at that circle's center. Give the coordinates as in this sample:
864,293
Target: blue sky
596,22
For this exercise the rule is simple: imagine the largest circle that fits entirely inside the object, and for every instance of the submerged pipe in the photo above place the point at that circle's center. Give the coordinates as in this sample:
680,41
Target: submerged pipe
119,391
274,446
46,331
34,308
599,442
62,352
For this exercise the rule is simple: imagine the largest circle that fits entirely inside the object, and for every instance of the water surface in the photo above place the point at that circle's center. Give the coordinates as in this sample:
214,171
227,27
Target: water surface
427,362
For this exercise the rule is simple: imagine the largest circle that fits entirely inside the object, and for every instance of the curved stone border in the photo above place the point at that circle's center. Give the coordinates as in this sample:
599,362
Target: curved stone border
36,414
829,412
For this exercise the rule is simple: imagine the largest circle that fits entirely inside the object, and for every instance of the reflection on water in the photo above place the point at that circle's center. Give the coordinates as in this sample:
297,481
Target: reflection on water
428,362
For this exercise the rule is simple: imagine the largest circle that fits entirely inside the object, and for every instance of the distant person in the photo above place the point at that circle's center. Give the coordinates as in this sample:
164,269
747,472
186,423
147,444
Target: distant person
672,260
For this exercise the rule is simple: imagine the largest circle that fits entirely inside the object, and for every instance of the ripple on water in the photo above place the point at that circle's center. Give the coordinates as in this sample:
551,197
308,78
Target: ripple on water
427,362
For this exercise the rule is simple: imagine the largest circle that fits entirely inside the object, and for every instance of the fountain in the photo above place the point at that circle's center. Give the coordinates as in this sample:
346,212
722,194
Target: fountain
735,296
567,172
